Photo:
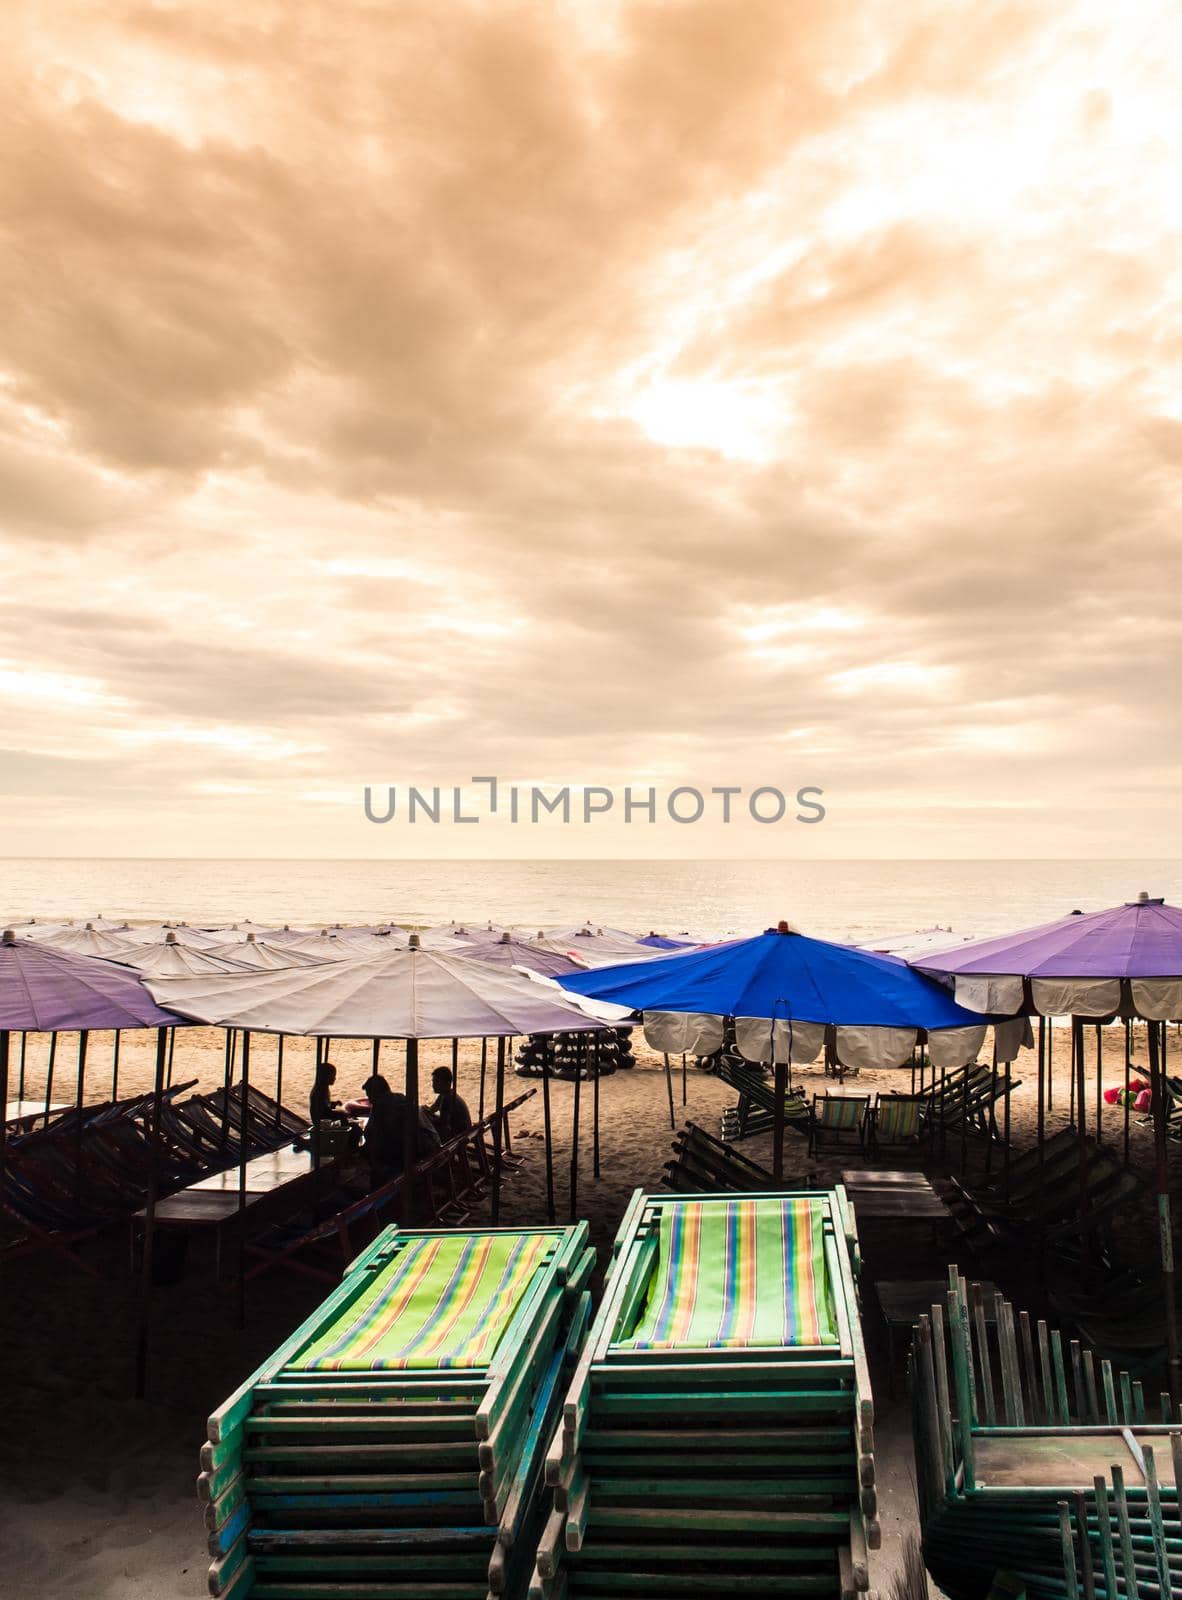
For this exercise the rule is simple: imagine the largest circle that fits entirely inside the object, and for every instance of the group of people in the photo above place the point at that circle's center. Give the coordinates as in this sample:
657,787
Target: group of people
383,1135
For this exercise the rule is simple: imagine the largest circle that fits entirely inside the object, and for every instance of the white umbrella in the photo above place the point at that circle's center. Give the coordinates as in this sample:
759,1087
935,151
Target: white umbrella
169,958
261,955
408,994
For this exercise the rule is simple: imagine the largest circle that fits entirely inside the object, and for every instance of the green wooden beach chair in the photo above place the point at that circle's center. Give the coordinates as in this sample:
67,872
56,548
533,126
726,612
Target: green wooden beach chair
899,1121
719,1425
1033,1456
393,1445
839,1119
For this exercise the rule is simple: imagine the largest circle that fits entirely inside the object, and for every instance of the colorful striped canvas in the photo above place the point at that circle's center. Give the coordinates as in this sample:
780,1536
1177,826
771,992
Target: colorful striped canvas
442,1302
744,1273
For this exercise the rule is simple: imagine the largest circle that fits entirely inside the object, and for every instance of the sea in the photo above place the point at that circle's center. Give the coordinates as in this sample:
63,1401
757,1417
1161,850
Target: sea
844,900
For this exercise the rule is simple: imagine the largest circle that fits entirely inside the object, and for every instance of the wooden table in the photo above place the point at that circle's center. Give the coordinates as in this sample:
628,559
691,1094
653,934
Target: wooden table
274,1181
894,1196
903,1301
32,1111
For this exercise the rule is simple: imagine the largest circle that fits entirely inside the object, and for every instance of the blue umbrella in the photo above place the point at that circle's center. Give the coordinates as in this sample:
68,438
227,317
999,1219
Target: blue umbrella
780,974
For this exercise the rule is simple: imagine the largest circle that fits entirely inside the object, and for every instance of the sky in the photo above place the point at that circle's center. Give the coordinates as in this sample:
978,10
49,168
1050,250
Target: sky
654,393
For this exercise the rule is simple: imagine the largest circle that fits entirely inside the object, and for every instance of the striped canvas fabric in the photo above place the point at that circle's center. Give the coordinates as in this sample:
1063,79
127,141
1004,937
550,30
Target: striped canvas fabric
738,1273
442,1302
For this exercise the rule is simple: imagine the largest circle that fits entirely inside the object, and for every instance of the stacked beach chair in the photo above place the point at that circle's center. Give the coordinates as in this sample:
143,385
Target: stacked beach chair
718,1429
392,1447
1034,1458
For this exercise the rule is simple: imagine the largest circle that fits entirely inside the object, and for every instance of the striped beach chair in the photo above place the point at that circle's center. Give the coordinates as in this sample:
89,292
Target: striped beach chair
839,1119
898,1121
393,1445
719,1425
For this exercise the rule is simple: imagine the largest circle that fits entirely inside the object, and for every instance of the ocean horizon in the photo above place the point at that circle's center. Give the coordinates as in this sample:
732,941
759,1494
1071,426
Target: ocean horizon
838,899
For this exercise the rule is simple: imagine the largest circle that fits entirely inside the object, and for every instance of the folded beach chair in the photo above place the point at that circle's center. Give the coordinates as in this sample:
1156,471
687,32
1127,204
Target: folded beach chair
1033,1454
719,1427
701,1162
756,1110
839,1120
392,1447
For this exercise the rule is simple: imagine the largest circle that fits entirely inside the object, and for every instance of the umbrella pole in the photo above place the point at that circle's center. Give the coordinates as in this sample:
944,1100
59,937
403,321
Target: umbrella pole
669,1086
242,1154
227,1073
1128,1066
781,1089
4,1103
684,1090
551,1215
483,1068
498,1134
1041,1131
1157,1082
171,1048
1051,1064
455,1065
597,1061
83,1039
991,1131
279,1081
409,1131
49,1074
141,1354
115,1066
1099,1084
20,1090
574,1141
1077,1078
1006,1124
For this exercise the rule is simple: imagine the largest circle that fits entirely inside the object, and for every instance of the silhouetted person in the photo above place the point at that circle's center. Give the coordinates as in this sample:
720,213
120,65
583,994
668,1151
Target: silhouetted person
385,1133
321,1105
450,1113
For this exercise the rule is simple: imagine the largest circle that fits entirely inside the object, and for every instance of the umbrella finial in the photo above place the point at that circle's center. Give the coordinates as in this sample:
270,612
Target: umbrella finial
170,937
250,939
9,936
413,942
505,939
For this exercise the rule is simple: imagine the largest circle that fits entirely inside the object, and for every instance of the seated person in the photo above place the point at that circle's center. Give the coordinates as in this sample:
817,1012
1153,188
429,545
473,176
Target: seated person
323,1108
449,1113
385,1133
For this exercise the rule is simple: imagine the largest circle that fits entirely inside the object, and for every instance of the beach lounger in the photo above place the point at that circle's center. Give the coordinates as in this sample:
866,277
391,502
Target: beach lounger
719,1426
701,1162
756,1109
1013,1431
839,1119
393,1446
899,1121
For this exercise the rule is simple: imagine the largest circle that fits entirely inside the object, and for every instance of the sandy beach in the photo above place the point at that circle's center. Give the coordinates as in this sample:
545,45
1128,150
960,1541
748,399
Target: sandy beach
98,1495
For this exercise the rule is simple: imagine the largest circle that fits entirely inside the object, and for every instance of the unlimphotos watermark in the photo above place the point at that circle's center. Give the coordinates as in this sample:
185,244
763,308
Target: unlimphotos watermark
588,803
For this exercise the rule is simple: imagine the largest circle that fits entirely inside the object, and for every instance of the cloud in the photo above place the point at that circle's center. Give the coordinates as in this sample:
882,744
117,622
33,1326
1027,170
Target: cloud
410,392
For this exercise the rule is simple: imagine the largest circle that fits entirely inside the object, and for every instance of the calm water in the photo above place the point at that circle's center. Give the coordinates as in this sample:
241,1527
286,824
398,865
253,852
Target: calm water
713,899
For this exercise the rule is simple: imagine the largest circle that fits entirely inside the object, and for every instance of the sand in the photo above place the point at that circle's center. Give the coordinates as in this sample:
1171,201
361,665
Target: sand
97,1488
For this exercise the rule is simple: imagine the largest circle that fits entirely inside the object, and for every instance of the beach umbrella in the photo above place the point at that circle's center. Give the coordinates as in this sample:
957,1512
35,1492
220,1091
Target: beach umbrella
781,992
261,955
909,946
43,990
1125,961
48,990
533,955
88,940
661,941
410,994
169,958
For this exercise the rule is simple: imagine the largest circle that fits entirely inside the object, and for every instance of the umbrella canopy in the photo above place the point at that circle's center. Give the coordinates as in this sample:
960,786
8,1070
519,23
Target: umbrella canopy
49,991
909,946
510,952
89,940
1088,964
261,955
408,994
169,958
662,941
783,989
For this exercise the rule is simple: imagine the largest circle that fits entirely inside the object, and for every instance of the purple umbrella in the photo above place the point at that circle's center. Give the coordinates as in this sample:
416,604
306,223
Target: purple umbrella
43,990
1125,961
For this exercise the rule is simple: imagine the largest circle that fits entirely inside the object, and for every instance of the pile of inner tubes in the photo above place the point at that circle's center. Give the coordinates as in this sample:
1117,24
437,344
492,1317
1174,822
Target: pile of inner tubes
575,1055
